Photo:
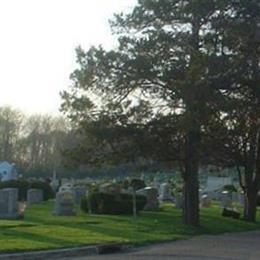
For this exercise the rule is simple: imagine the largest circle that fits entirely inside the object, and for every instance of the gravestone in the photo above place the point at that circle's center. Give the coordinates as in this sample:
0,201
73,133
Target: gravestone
165,192
205,201
156,184
9,203
65,203
178,201
152,202
226,199
34,196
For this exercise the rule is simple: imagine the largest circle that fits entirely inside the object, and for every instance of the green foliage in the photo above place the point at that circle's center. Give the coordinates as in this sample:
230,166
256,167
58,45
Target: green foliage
229,188
137,184
21,185
115,204
258,200
195,63
48,193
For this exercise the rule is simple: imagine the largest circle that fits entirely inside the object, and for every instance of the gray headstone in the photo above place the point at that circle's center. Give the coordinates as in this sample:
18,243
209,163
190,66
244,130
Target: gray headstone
9,203
178,200
165,192
152,200
65,204
205,201
34,196
226,199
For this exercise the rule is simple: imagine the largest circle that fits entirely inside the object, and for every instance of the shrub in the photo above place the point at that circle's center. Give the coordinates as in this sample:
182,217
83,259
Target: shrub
115,204
48,193
21,185
137,184
229,188
24,185
258,199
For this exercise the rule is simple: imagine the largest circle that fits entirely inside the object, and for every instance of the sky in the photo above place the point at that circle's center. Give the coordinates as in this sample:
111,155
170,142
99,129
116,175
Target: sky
37,47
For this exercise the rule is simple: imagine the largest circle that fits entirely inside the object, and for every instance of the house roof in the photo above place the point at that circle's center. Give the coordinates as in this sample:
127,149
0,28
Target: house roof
6,166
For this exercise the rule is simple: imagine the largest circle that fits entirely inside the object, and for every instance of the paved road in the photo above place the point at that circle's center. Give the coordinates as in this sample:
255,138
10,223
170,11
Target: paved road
224,247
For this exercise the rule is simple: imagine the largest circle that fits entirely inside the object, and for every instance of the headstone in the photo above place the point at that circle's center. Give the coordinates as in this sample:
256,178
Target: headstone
226,199
156,184
205,201
34,196
65,203
9,203
152,199
178,201
165,193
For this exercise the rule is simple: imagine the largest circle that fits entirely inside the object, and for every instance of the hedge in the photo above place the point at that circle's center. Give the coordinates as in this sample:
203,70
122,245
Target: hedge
114,204
24,185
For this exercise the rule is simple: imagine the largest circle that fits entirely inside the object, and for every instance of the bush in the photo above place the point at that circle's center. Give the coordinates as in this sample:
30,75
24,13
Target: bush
24,185
48,193
258,199
229,188
21,185
115,204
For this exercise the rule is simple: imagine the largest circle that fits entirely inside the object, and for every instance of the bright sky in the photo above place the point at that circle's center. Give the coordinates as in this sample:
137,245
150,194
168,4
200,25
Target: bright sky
37,42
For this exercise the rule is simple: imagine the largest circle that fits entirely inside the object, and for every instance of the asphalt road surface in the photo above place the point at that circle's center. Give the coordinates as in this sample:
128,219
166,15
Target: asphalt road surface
222,247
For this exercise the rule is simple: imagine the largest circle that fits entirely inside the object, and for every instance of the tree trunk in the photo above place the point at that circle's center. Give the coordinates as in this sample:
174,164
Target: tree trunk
134,203
191,182
250,204
252,177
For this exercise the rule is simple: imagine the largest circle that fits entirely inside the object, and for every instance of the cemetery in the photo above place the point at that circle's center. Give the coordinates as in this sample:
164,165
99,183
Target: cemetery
83,212
150,134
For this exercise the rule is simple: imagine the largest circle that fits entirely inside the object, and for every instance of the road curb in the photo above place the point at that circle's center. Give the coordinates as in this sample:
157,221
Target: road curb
68,252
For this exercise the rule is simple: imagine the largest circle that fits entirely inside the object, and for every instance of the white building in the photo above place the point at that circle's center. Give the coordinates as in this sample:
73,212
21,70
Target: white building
7,171
216,183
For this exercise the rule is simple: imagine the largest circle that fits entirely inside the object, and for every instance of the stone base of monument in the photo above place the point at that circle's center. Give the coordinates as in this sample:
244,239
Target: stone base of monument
64,212
230,213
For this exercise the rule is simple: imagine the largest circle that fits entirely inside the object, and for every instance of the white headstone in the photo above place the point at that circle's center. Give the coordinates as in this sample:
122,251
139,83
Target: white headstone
165,192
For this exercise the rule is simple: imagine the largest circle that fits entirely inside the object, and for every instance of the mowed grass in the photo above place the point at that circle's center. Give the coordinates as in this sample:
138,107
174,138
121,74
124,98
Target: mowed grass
41,230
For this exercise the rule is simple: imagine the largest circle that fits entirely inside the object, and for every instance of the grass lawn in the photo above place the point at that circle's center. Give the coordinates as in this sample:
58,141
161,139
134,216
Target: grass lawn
41,230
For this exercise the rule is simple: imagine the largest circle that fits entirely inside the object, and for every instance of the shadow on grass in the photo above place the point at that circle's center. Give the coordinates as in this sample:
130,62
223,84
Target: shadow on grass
149,227
47,241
